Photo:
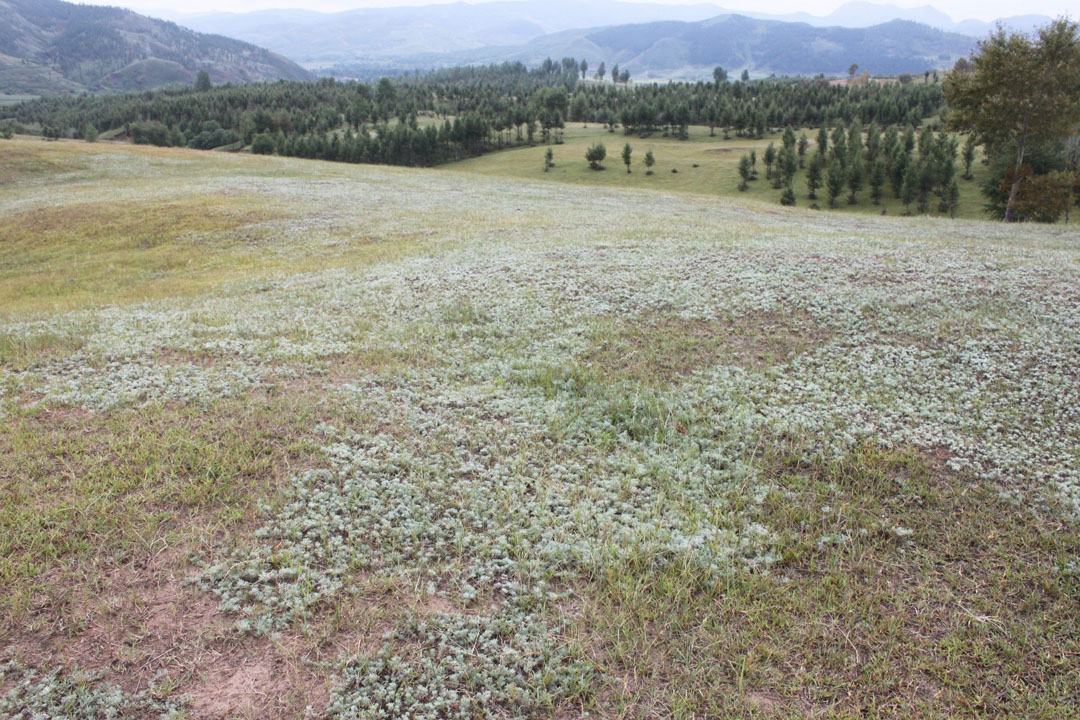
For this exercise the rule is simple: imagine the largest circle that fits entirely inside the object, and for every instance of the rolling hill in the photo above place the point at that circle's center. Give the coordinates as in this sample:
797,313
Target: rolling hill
690,50
49,46
368,42
769,46
346,441
423,30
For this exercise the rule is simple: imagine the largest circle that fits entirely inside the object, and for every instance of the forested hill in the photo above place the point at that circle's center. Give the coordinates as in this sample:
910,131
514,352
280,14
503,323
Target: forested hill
735,41
690,50
48,46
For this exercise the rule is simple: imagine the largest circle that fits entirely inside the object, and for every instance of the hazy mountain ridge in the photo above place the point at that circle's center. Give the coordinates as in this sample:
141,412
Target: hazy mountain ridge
429,29
415,37
681,50
859,13
53,46
766,46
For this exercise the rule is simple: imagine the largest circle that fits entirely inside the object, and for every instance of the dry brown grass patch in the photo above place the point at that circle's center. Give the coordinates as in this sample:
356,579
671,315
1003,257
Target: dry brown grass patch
662,349
116,225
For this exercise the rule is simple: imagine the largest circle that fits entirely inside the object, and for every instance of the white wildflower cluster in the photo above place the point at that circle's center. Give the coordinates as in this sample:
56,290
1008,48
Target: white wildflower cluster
492,458
80,382
496,491
455,667
74,695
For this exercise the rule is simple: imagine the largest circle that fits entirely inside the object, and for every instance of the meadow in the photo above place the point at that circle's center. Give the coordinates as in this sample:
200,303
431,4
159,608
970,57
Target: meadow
292,439
701,164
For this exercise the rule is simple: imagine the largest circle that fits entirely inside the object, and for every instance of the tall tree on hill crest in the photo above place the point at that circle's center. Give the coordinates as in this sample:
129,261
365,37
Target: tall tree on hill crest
1021,90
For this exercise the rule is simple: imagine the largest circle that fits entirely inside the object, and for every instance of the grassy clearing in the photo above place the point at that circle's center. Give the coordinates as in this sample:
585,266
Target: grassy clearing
416,443
904,591
706,165
206,224
81,491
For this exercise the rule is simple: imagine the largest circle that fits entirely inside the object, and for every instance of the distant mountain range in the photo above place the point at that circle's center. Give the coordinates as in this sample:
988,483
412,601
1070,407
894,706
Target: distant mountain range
859,13
421,36
53,46
49,46
662,50
314,38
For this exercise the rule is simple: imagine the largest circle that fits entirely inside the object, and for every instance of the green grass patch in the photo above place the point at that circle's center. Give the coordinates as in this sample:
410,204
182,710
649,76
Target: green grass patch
904,591
78,489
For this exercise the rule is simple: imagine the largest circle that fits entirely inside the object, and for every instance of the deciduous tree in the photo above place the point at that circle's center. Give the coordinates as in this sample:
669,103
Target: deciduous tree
1021,90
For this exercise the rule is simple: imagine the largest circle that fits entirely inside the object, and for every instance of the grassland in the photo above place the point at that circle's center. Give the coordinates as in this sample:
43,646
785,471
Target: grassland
286,439
704,164
6,99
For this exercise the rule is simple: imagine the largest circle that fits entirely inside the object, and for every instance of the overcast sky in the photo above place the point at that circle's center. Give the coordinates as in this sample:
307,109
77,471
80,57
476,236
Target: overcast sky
957,9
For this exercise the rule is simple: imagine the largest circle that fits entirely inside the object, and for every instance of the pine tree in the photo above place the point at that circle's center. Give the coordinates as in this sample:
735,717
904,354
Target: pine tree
855,140
898,164
877,180
890,141
839,143
908,140
969,155
744,172
952,198
788,196
789,138
770,158
855,177
627,151
813,175
910,188
926,137
834,181
650,160
873,142
596,155
788,165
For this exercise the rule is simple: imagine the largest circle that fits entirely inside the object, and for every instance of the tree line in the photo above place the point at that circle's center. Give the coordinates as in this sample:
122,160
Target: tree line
450,114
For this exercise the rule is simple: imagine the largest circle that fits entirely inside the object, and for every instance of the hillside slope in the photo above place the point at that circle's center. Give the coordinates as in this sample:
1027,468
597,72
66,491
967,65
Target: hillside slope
49,46
691,50
374,40
410,31
335,441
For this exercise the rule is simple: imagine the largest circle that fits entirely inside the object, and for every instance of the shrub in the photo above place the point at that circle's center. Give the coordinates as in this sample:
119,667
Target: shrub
595,155
262,144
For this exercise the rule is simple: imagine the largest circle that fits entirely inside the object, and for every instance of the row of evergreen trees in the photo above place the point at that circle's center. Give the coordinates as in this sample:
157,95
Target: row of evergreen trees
918,170
492,106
